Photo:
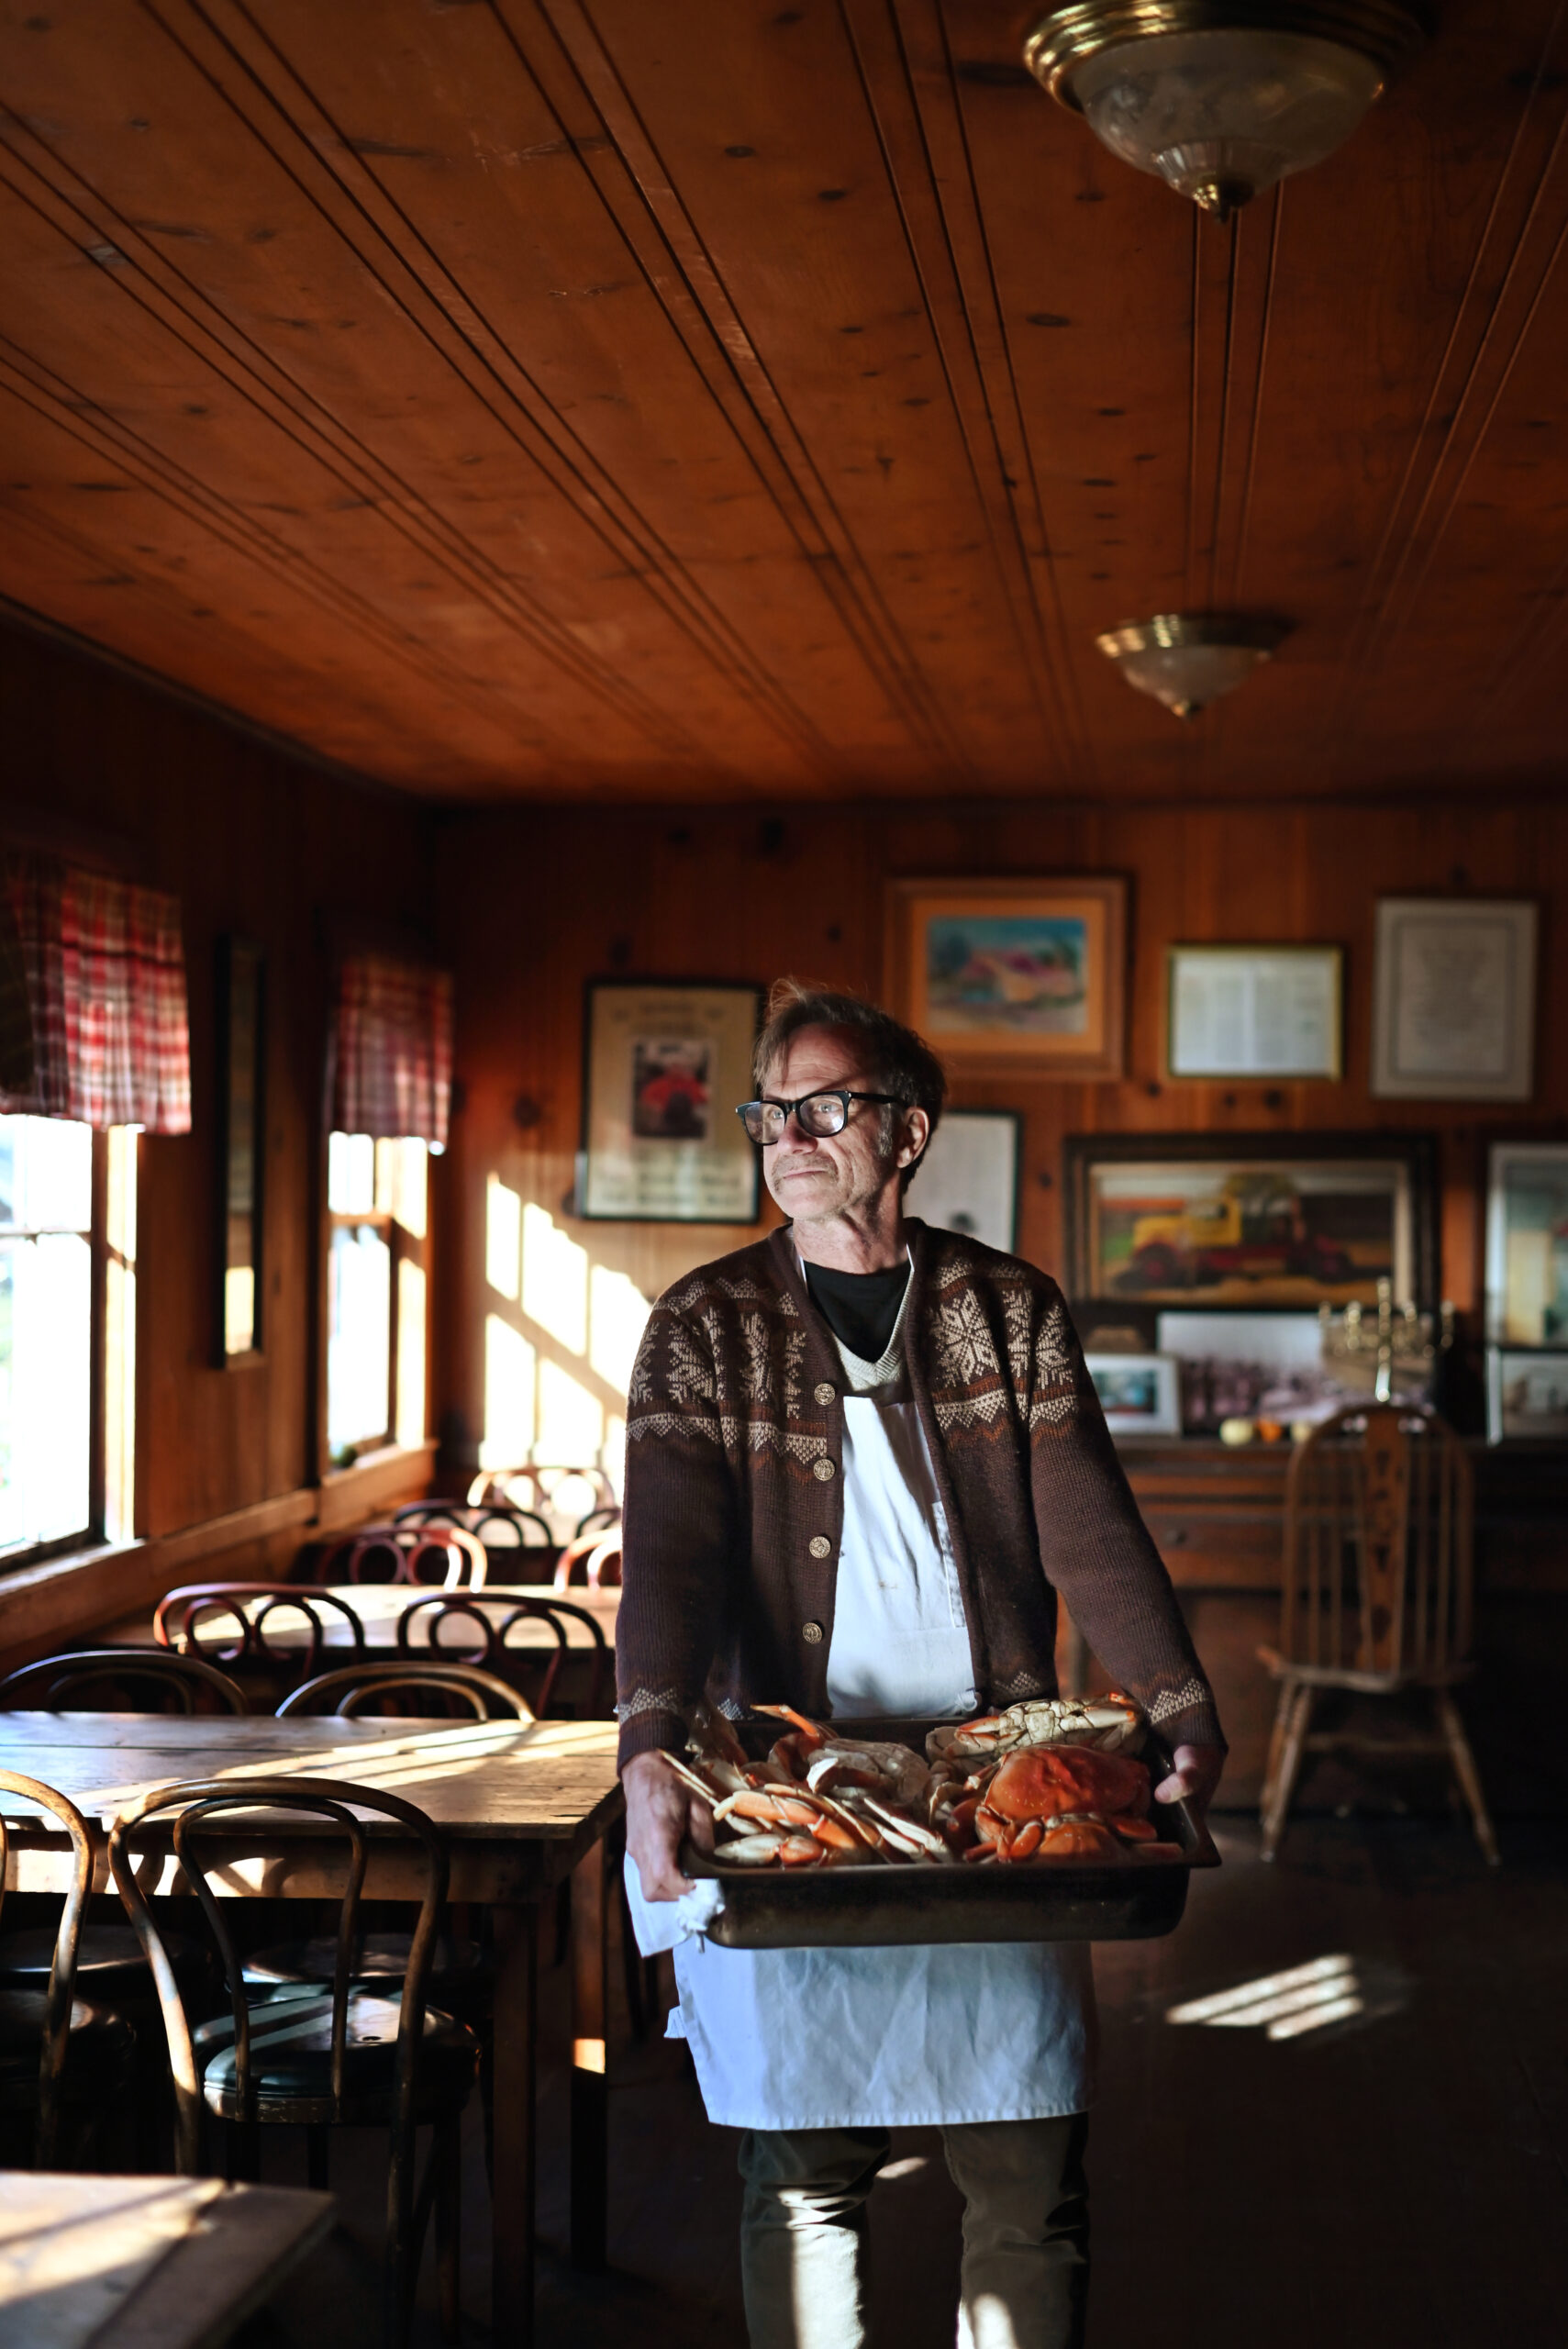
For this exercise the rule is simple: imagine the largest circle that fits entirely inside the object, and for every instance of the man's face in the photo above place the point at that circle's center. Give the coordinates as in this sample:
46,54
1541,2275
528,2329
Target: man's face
814,1177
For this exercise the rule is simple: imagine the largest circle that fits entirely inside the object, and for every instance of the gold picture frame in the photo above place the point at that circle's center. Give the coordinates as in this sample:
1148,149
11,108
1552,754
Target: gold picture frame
1003,976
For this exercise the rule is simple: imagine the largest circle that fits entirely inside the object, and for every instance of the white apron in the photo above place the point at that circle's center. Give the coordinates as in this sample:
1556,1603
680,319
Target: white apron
882,2037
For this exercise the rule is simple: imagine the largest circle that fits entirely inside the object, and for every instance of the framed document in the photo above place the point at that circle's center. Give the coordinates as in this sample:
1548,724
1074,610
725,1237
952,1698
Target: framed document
1254,1011
1001,975
663,1067
241,1134
1454,1016
968,1179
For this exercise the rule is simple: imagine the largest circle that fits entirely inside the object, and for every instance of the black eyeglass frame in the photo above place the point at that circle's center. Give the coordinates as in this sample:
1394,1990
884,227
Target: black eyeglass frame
846,1094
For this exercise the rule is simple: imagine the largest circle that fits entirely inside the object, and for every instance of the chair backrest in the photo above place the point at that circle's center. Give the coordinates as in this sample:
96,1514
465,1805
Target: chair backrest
559,1612
62,1970
358,1688
479,1645
598,1554
1377,1544
197,1803
394,1553
249,1605
56,1684
499,1486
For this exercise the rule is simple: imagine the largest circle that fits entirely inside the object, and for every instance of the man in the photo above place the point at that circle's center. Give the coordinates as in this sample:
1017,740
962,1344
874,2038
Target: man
862,1459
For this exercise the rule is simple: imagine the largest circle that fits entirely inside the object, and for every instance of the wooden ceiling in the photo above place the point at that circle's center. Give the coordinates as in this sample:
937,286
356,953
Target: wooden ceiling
695,399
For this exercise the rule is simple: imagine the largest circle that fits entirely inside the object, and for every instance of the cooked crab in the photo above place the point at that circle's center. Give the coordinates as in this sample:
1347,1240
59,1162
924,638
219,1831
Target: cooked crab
1110,1722
826,1759
1023,1799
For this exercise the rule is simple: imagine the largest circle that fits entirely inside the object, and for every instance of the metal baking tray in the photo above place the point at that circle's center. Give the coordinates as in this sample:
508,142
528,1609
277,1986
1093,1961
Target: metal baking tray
882,1904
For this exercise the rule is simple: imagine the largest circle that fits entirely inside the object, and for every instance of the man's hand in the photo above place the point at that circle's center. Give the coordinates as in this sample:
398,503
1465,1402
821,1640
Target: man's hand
1195,1772
660,1817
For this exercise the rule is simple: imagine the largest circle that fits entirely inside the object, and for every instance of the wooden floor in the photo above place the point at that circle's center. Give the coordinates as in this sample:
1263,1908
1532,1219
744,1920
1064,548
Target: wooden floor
1398,2179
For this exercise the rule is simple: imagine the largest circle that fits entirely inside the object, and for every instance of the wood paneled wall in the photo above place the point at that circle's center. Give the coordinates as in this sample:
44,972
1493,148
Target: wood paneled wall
253,841
536,902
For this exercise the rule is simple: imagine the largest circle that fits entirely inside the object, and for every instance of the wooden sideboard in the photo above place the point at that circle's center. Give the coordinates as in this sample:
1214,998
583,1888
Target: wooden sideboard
1216,1516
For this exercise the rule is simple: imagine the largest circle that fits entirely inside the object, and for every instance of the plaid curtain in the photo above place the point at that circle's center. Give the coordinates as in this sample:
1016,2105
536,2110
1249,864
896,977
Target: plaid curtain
392,1049
94,1023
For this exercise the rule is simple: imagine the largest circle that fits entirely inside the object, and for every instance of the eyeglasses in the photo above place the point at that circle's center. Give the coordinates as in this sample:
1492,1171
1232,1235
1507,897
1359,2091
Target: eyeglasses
818,1114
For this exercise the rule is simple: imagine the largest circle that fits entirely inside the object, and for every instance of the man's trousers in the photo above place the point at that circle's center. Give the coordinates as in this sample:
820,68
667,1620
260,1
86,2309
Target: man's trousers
1025,2277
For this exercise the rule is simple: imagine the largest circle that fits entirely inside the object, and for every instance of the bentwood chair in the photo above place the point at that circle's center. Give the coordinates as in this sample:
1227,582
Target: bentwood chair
446,1556
69,1683
502,1528
1376,1594
240,1613
311,2056
360,1688
481,1638
60,2054
598,1554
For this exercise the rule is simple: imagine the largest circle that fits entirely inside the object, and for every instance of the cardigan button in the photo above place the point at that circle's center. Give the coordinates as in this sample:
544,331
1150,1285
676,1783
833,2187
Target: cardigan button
812,1634
825,1393
824,1470
819,1546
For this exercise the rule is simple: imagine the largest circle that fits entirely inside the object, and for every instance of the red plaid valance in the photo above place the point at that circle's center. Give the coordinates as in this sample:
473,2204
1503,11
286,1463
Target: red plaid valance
93,1014
392,1049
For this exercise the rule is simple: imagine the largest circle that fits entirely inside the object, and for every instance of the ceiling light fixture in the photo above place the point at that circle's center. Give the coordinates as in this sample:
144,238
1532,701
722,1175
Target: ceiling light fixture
1187,660
1221,98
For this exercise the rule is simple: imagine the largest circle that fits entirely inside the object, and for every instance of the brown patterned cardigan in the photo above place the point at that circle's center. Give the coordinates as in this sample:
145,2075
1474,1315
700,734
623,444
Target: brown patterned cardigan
734,1502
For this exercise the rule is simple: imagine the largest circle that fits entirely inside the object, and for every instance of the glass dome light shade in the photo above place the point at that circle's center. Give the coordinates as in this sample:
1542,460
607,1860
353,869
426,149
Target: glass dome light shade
1186,660
1220,116
1221,98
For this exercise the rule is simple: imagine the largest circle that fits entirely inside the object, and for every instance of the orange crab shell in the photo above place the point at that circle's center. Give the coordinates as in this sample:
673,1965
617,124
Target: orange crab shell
1044,1781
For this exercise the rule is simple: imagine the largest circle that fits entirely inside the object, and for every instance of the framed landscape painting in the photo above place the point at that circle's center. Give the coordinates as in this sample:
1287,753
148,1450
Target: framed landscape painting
1001,975
1250,1219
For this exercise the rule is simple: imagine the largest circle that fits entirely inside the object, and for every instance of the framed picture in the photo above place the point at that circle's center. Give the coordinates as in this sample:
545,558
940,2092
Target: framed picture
1526,1243
1454,1001
1138,1393
1249,1366
999,975
663,1066
1526,1395
1254,1011
968,1179
242,1132
1250,1219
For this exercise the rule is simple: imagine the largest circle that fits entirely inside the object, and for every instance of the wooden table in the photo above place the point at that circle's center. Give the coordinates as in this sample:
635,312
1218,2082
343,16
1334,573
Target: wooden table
144,2263
521,1806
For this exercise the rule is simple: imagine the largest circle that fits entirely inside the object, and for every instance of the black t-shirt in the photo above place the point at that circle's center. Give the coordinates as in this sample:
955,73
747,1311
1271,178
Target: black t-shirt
861,1308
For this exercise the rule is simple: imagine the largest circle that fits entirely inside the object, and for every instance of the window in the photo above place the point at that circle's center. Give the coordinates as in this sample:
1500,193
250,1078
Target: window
377,1203
67,1334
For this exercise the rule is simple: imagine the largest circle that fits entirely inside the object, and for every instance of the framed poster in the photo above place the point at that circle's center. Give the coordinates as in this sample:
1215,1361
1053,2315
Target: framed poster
241,1130
1526,1395
1138,1393
968,1179
1454,1001
999,975
1526,1243
1254,1011
664,1065
1250,1219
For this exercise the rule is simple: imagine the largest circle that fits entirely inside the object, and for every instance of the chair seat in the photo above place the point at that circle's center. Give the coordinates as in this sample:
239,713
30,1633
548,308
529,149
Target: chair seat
109,1963
1357,1683
291,2058
456,1966
97,2052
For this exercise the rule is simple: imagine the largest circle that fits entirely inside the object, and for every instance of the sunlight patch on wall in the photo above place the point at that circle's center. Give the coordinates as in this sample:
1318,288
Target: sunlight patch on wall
570,1423
503,1237
619,1315
509,1373
555,1279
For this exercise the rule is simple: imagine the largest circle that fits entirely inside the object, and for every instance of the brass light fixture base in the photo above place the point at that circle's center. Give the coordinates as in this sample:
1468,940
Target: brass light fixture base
1221,98
1186,660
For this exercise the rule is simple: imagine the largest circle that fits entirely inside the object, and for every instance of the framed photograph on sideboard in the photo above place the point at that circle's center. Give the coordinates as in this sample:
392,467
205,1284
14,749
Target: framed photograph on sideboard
998,976
1273,1220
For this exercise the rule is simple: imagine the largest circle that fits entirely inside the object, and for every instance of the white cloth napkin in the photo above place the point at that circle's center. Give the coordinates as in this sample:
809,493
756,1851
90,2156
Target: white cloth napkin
659,1924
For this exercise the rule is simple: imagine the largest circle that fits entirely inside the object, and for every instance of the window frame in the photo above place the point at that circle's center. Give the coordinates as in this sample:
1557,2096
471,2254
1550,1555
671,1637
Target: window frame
112,1478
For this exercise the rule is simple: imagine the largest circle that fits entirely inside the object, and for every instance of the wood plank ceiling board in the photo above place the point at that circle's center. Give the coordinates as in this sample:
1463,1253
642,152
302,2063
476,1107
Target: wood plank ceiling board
710,399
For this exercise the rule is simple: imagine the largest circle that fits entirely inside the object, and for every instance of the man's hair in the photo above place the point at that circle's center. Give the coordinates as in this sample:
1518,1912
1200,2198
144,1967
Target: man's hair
902,1063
